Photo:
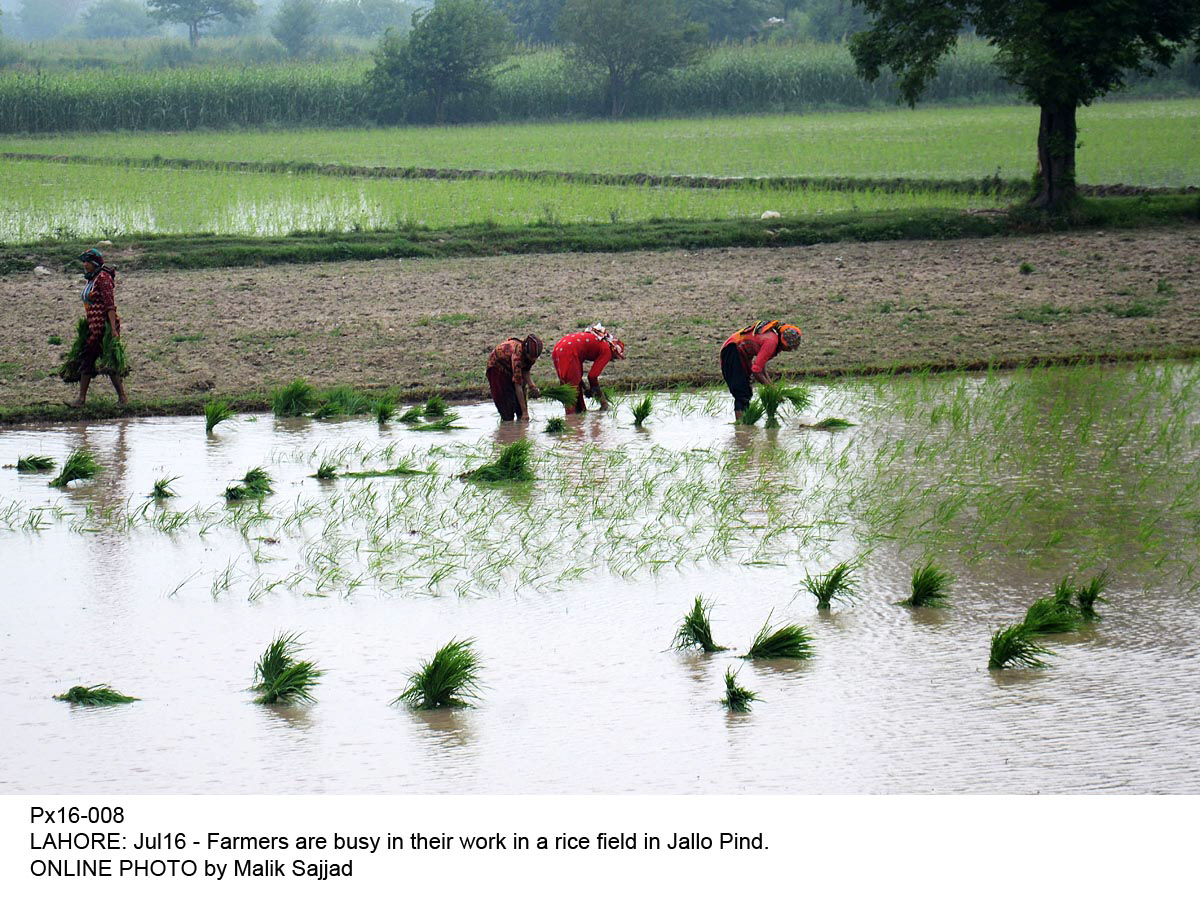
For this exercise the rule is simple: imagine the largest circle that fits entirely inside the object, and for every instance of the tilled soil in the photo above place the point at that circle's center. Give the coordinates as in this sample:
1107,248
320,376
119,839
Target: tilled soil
421,324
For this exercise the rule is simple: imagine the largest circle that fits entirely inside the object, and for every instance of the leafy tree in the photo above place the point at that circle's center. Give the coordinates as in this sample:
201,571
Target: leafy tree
197,14
451,51
826,20
730,20
629,40
369,18
118,19
532,20
1062,53
295,24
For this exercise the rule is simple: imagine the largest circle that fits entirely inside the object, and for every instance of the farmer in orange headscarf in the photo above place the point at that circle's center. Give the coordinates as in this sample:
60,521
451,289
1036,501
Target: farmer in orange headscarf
595,344
745,354
508,376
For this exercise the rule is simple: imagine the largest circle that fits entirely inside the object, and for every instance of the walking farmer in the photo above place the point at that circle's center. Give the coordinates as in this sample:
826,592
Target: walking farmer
97,347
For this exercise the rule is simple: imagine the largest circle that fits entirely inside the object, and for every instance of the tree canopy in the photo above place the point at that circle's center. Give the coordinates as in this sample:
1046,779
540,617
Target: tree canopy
629,40
1061,53
196,14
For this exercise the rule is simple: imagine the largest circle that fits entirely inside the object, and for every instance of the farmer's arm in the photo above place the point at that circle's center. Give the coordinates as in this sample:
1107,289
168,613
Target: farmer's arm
594,376
766,350
113,324
519,389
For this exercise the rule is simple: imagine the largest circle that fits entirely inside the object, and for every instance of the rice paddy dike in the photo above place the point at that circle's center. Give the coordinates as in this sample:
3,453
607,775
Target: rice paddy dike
571,586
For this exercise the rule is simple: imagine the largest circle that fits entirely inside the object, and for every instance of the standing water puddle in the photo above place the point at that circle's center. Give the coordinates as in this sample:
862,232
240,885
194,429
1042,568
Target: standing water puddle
573,587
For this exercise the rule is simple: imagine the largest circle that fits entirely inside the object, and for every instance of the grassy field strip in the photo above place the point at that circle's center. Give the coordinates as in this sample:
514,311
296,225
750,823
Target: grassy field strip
47,200
1149,143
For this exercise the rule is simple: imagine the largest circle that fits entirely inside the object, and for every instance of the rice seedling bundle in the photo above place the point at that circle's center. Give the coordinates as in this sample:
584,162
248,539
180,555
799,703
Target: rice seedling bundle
449,679
556,425
641,411
787,641
1087,595
215,412
737,698
295,399
1050,616
413,415
696,631
512,466
403,469
563,393
443,423
35,463
343,400
930,587
435,407
80,465
772,395
101,694
384,409
112,360
162,488
1013,646
258,480
327,471
835,585
280,675
753,413
832,424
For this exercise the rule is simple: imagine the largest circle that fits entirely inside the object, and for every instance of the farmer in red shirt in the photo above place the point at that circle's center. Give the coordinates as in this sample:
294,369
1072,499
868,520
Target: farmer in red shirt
101,310
508,376
745,354
595,344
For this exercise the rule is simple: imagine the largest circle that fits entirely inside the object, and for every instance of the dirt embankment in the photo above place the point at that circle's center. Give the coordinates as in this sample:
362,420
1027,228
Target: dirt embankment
417,324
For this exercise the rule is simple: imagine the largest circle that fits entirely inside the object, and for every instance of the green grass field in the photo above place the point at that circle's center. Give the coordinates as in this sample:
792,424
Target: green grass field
1150,143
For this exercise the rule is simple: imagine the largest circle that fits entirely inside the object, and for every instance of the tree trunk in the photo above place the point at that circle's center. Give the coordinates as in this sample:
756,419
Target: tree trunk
193,33
439,106
1055,184
616,93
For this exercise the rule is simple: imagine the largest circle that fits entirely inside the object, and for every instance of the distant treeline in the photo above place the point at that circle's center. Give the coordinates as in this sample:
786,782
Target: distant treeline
537,85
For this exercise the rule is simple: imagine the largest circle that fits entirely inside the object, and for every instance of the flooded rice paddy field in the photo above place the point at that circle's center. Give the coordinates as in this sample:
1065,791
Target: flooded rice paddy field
573,587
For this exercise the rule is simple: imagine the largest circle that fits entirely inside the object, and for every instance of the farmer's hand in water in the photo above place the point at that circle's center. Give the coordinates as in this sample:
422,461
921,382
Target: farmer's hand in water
534,392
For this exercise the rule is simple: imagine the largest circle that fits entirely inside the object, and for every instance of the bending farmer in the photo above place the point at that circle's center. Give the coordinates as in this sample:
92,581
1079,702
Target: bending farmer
595,344
508,377
745,354
100,339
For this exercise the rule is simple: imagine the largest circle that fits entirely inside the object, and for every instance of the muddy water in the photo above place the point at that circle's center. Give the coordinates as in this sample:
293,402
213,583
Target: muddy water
574,586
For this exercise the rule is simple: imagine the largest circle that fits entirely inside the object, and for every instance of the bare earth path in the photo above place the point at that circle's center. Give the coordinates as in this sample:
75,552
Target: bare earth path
417,324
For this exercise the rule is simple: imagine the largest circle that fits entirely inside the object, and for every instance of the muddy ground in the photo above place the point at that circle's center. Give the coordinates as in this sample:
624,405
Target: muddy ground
416,324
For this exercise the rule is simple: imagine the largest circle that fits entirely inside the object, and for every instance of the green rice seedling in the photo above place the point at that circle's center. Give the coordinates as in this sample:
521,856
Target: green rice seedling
772,395
556,425
435,407
695,631
449,679
787,641
215,412
55,340
930,587
413,415
512,466
832,424
79,466
445,423
1012,646
101,694
295,399
833,585
35,463
1088,594
327,471
1064,592
1050,616
258,480
562,393
347,400
383,409
737,698
326,410
403,469
753,413
162,488
279,676
641,411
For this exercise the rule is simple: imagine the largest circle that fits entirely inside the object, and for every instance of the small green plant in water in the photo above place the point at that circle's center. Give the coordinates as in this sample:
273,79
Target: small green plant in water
832,424
641,411
835,585
35,463
930,587
696,631
295,399
511,466
449,679
753,413
327,471
435,407
101,694
737,698
162,488
214,413
79,466
280,676
556,425
1087,595
1050,616
402,469
787,641
1012,646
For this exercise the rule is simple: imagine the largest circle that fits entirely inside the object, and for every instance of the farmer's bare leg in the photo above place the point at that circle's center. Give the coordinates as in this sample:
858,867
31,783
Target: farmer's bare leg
84,382
119,385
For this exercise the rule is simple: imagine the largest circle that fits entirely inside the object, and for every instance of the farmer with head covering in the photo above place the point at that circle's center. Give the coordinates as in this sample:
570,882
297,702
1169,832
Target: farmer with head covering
101,311
595,344
745,354
508,369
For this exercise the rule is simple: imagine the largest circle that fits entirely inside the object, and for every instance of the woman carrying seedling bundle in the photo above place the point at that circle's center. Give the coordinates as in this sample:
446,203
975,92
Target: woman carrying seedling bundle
99,336
745,354
595,344
508,369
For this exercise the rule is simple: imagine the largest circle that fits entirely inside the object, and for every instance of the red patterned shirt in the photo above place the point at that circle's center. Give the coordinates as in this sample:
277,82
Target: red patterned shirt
755,350
98,302
509,356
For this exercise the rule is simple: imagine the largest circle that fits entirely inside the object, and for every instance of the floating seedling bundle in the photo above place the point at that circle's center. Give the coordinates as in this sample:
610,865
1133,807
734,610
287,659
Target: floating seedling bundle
100,694
556,425
737,698
511,467
112,360
80,465
835,585
295,399
435,407
215,412
256,484
696,631
162,488
279,675
35,463
641,411
449,679
772,395
787,641
1013,646
930,587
